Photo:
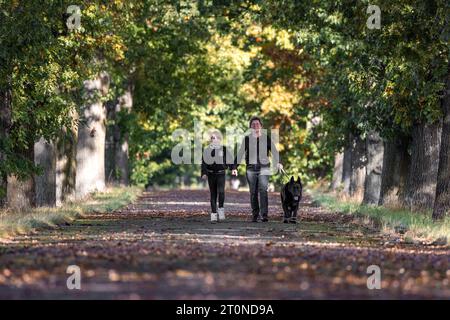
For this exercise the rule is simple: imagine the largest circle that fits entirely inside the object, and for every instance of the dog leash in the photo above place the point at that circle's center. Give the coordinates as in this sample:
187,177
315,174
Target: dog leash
284,172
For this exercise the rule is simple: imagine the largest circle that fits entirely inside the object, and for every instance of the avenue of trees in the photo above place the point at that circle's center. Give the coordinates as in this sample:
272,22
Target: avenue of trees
85,105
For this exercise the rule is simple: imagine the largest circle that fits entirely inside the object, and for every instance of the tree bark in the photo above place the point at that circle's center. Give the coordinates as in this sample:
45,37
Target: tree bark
45,183
121,138
442,198
66,166
359,162
5,126
375,150
396,163
336,182
90,174
117,149
15,193
347,167
422,177
21,193
110,159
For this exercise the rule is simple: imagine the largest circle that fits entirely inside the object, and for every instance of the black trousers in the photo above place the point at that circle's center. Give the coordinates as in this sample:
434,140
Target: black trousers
217,189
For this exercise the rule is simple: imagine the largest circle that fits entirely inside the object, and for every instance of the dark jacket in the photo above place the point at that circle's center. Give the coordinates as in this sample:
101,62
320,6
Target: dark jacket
216,165
250,149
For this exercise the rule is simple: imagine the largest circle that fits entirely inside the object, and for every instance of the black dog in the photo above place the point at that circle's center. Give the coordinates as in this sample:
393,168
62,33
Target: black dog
291,194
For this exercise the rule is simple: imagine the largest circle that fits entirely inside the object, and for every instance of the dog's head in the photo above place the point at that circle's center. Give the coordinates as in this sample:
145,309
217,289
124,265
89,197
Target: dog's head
295,188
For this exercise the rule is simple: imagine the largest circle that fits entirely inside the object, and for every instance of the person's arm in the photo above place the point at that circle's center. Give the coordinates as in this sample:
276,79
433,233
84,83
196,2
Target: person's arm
229,159
275,153
241,152
203,167
239,155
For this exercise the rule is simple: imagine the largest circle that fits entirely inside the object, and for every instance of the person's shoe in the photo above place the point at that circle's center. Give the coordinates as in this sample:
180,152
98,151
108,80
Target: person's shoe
221,212
293,220
255,219
265,219
213,217
285,220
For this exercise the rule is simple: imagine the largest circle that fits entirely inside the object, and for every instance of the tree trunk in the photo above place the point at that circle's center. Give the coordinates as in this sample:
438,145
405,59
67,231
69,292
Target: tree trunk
336,183
347,167
21,193
117,149
396,163
121,137
5,126
66,166
90,174
442,199
422,179
374,146
359,162
3,187
45,183
110,159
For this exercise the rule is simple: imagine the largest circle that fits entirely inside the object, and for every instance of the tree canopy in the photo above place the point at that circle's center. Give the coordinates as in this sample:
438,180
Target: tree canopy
316,70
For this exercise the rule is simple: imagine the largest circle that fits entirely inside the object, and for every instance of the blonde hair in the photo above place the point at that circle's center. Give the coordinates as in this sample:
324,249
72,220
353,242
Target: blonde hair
217,133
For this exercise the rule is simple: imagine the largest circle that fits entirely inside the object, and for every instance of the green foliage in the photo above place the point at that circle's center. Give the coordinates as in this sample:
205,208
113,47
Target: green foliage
382,79
44,65
311,69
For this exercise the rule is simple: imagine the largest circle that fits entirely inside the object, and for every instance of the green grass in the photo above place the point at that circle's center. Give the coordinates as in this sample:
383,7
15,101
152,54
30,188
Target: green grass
14,223
415,225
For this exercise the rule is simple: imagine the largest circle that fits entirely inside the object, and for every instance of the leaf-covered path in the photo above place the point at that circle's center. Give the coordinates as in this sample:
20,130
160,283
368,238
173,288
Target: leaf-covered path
164,247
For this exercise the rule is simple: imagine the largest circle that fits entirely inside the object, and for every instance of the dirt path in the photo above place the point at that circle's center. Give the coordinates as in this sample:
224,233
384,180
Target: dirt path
163,247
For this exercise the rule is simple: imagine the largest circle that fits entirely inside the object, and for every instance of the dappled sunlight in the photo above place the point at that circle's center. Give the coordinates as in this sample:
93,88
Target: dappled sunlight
180,254
111,112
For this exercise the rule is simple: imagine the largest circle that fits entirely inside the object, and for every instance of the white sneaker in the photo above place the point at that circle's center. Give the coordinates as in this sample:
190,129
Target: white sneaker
213,217
221,212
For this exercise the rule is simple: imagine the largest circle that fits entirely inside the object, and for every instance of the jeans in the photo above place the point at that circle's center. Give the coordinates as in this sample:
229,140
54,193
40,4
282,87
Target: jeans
258,184
216,188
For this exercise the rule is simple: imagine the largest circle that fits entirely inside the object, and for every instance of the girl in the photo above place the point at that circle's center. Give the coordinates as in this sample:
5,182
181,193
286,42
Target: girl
216,159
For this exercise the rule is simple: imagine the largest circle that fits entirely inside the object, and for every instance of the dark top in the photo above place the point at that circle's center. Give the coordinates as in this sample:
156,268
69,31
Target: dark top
251,147
213,165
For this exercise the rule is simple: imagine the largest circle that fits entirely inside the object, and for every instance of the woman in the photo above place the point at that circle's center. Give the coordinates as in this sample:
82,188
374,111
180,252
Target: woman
258,167
214,165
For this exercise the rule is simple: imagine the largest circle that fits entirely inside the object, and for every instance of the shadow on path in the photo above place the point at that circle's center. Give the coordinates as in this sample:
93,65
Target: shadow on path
164,247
